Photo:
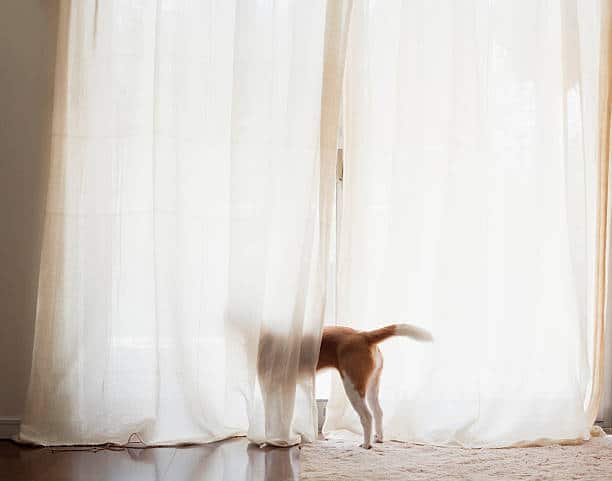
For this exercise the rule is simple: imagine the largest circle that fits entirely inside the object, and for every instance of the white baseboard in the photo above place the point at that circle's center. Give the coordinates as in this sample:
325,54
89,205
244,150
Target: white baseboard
9,427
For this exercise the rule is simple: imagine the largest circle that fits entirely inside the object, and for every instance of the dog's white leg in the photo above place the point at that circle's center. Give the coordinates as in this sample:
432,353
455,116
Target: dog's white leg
358,402
374,403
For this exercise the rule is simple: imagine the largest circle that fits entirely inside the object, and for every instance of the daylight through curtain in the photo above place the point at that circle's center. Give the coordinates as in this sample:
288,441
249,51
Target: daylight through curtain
473,191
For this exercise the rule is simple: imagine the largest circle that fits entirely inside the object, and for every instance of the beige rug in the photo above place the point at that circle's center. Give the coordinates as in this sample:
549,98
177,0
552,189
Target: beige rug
339,458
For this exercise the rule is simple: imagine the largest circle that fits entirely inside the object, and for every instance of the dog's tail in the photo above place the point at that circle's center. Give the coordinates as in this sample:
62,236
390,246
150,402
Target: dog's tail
405,330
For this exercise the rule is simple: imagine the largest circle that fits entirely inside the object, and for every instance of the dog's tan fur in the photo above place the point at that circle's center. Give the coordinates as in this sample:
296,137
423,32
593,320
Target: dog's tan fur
356,356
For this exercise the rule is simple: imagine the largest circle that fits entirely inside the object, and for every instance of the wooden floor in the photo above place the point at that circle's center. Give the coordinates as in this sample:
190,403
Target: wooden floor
233,460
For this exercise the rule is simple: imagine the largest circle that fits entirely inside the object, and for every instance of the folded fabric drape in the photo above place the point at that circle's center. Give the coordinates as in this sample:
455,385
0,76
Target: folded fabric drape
188,209
473,180
601,394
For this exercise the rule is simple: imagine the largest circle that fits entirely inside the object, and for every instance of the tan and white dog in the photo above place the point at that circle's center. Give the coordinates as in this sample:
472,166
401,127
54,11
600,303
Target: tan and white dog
356,356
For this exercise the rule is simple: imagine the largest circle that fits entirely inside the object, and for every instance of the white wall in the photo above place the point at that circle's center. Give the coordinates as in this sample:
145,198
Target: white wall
27,56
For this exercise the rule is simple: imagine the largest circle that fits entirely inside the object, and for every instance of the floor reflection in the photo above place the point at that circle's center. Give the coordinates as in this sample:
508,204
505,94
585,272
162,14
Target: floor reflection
233,460
273,464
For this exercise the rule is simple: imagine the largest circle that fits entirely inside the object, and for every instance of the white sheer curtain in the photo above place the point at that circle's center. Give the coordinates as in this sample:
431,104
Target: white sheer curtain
187,215
471,187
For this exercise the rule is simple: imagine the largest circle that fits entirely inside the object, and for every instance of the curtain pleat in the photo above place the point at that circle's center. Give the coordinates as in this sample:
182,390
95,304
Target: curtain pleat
603,221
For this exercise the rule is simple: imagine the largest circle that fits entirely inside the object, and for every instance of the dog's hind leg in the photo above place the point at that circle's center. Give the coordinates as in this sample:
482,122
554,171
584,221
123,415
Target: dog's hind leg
359,404
372,397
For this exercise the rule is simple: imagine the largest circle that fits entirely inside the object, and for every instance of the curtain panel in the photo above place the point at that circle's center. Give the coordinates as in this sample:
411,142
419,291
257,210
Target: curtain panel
474,205
187,218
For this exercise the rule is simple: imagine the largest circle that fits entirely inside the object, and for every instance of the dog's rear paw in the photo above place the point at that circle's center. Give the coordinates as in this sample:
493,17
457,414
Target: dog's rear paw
365,446
378,438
